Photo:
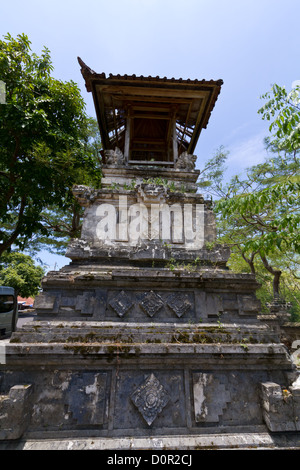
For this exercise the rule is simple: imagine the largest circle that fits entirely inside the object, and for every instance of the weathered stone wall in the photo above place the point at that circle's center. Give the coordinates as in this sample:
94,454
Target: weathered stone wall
154,340
143,389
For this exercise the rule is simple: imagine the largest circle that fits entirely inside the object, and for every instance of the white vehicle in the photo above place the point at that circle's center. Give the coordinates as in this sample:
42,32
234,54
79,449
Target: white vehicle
8,310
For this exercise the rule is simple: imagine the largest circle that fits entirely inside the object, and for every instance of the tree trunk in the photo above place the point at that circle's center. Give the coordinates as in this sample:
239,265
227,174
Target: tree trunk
250,261
14,235
276,273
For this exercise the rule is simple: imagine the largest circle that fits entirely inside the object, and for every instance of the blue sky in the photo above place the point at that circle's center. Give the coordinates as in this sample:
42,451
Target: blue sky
248,44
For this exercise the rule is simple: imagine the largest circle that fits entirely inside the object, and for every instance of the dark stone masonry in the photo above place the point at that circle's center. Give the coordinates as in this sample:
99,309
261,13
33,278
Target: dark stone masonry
146,339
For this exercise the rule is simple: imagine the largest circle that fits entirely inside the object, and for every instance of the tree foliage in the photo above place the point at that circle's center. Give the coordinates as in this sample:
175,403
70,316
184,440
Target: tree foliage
267,202
257,222
44,143
64,223
18,270
283,109
258,214
212,175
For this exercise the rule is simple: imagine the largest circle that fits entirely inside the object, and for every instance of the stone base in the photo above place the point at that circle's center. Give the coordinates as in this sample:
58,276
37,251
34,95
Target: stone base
129,385
221,441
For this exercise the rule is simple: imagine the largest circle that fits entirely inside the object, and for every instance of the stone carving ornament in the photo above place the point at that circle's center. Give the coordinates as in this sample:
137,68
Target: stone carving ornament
179,303
186,161
152,193
114,157
121,304
151,303
150,398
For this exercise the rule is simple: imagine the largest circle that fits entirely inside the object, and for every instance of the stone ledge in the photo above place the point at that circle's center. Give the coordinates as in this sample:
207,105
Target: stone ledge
194,442
153,333
150,252
210,355
91,275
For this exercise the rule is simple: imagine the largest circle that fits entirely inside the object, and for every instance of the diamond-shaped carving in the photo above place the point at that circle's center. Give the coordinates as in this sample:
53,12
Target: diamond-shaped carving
150,398
121,304
151,303
179,303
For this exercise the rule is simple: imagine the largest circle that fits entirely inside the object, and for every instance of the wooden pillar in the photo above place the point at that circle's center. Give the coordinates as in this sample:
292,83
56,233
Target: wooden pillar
127,137
175,143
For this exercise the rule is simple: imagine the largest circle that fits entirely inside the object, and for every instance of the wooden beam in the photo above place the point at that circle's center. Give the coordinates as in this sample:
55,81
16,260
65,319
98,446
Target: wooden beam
152,100
153,92
175,143
146,162
151,116
186,124
115,121
127,138
145,140
159,107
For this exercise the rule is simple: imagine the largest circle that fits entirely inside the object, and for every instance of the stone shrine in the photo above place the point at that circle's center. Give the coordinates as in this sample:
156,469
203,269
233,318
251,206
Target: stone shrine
146,340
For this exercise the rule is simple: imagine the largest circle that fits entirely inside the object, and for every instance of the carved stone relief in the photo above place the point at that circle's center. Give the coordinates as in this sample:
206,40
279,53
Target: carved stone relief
151,303
78,398
150,398
152,193
114,157
179,303
121,304
186,161
210,397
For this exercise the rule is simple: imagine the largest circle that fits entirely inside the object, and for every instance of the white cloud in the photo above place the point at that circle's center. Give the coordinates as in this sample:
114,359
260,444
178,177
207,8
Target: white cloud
246,153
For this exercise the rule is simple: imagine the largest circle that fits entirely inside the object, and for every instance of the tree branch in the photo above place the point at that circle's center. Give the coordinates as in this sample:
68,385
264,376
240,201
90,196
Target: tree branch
14,235
276,273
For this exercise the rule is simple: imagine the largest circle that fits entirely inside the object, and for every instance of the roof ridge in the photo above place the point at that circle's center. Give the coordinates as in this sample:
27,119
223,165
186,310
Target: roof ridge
86,70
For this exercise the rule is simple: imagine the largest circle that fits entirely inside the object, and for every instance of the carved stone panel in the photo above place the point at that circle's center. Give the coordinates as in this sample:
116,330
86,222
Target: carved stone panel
179,303
143,305
150,398
210,397
151,303
87,398
66,399
85,303
45,302
70,303
121,304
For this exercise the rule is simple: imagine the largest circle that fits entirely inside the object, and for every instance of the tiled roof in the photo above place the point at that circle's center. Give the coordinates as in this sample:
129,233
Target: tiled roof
87,72
116,97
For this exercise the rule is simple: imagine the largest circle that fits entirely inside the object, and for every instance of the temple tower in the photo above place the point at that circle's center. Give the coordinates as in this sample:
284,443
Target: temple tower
146,339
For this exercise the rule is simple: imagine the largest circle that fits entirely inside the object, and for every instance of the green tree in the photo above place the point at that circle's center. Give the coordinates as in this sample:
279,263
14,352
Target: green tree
211,178
289,281
256,218
267,202
43,135
258,215
64,223
18,270
283,109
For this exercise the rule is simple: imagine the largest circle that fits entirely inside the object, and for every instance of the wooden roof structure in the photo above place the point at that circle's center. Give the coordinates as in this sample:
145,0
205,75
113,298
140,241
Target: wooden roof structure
150,118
